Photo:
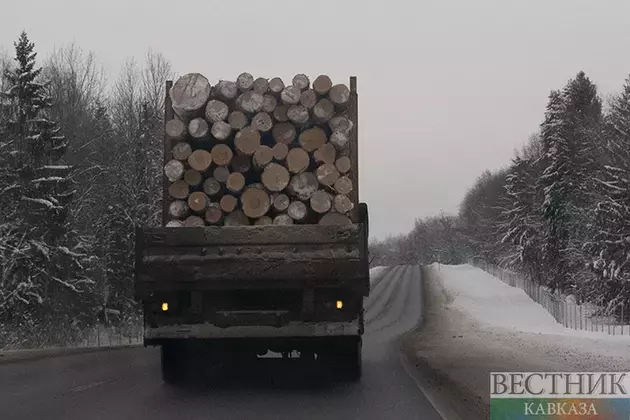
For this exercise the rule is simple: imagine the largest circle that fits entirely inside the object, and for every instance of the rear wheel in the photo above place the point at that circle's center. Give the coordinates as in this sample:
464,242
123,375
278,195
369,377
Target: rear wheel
172,363
344,357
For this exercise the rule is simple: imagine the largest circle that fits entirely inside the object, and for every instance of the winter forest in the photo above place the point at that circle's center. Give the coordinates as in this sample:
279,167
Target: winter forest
558,213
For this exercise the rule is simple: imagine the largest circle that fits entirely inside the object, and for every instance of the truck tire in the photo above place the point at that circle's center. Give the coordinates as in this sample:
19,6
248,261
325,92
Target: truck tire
351,359
172,363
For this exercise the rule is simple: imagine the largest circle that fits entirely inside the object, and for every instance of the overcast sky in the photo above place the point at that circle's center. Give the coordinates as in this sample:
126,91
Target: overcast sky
447,89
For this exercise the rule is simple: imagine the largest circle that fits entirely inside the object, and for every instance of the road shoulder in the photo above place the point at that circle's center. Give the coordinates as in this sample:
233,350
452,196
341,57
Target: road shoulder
16,356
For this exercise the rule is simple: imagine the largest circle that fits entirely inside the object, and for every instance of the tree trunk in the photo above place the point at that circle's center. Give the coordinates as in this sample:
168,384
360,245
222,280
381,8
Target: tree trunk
235,182
276,85
194,221
181,151
325,154
281,203
297,160
176,129
211,187
237,120
340,141
192,177
221,155
327,174
308,99
228,203
261,85
200,160
321,202
247,141
255,202
291,95
174,170
341,123
343,185
214,214
303,186
237,218
322,85
262,157
339,95
264,221
198,202
298,114
269,104
297,211
221,130
241,163
323,111
275,177
251,102
342,204
221,174
284,133
301,81
262,122
282,220
335,219
312,139
227,91
179,190
280,151
189,95
198,128
216,111
178,209
245,81
280,113
343,164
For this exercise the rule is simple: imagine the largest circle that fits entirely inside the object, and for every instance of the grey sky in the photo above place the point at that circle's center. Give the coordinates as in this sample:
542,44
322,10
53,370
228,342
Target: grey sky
447,89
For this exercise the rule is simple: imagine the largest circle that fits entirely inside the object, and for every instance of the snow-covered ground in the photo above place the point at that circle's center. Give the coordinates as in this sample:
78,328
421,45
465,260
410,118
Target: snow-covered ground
376,273
476,324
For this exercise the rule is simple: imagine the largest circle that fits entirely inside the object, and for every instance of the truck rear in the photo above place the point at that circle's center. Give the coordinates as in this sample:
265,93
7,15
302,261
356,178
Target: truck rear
234,291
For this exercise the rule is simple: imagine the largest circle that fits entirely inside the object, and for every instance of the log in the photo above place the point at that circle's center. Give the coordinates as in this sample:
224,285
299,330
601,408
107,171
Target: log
339,95
275,177
258,185
228,203
263,221
269,103
221,174
276,85
251,102
176,129
261,85
245,81
312,139
343,164
200,160
262,122
297,160
284,133
174,224
235,182
192,177
291,95
255,202
327,174
189,95
301,81
322,85
216,111
262,157
297,211
198,202
341,123
281,203
342,204
211,187
174,170
181,151
325,154
280,151
221,155
298,114
308,98
323,111
335,219
339,140
194,221
226,90
321,202
214,214
237,120
343,185
221,130
236,218
178,209
280,113
303,186
282,220
247,140
241,163
198,128
179,190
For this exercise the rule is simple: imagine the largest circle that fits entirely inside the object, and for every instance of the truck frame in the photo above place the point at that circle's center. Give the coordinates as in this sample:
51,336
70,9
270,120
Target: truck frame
227,292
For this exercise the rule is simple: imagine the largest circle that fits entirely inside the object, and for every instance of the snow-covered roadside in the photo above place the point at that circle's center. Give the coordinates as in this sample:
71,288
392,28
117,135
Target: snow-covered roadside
475,324
376,273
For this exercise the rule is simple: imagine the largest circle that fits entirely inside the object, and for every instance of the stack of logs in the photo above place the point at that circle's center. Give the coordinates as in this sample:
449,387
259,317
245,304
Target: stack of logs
257,152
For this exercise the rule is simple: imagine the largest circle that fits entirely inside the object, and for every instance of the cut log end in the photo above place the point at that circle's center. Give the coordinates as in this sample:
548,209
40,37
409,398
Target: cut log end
280,113
221,130
200,160
327,174
176,129
283,220
321,202
275,177
194,221
226,90
262,122
179,190
342,204
308,98
301,81
341,123
269,104
235,182
245,81
262,157
323,110
192,177
263,221
228,203
247,140
284,133
255,203
297,211
181,151
298,114
236,218
198,202
198,128
312,139
303,186
178,209
339,140
211,187
174,170
291,95
221,154
325,154
343,164
251,102
174,224
280,151
189,95
281,203
297,160
343,185
335,219
322,85
339,95
260,85
276,85
214,214
221,174
237,120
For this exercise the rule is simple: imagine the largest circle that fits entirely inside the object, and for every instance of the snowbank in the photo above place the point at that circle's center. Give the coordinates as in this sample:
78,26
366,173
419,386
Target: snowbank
376,272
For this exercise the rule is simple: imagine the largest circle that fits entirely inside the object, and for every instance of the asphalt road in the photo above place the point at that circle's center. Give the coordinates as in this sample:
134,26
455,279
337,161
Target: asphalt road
126,384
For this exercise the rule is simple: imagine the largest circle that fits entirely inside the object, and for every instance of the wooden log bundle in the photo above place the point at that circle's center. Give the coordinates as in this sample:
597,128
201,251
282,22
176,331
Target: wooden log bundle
258,152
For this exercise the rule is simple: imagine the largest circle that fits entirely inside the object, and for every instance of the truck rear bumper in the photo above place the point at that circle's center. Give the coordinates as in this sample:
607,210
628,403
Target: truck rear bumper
292,329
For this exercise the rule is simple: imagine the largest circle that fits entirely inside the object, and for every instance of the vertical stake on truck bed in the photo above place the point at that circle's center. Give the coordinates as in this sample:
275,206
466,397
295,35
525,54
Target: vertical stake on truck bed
353,114
168,115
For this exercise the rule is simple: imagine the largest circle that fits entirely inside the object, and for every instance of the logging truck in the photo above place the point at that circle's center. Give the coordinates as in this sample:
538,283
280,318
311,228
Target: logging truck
263,242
